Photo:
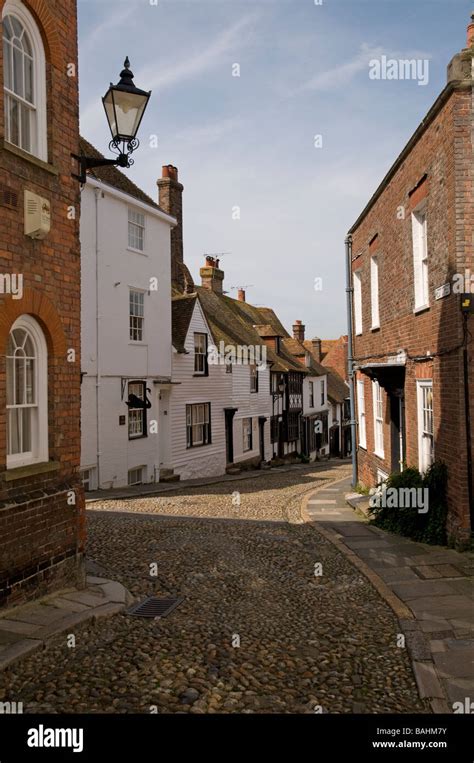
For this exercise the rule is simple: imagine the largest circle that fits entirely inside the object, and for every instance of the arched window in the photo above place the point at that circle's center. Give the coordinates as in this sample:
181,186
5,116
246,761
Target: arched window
24,80
27,394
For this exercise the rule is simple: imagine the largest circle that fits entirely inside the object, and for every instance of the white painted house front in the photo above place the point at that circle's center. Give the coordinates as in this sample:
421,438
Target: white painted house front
220,412
126,333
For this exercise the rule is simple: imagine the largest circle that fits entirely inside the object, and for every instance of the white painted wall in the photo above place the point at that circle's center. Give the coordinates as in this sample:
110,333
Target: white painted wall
216,389
109,270
251,405
222,390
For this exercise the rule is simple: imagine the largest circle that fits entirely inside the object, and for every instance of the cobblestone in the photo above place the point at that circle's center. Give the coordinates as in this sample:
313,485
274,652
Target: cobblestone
258,631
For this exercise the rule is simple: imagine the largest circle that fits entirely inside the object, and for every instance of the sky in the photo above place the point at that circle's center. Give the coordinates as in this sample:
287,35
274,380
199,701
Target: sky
276,163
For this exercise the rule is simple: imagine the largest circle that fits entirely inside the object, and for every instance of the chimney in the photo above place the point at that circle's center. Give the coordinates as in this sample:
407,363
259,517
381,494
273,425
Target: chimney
170,199
241,295
460,68
316,342
298,331
211,276
470,32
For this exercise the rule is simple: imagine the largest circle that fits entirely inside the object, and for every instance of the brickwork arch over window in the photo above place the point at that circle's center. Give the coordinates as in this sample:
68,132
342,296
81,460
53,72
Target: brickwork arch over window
27,394
24,80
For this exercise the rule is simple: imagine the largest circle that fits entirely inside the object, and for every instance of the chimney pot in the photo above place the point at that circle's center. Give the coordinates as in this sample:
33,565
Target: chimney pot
470,32
241,295
169,171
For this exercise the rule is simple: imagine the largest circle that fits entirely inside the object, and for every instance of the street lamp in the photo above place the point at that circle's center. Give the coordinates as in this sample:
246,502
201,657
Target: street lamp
124,106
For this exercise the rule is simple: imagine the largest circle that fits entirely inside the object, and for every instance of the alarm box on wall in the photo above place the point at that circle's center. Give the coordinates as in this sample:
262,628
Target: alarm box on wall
37,215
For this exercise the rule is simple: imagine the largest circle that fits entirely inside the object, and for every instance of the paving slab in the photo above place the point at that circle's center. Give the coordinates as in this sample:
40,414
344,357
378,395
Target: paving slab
437,586
457,663
30,627
421,588
446,607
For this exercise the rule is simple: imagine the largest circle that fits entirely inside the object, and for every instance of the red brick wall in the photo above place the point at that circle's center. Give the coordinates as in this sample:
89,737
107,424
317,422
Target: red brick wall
42,532
443,152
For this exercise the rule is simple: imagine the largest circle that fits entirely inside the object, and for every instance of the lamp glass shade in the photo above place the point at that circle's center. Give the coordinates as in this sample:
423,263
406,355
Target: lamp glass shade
124,110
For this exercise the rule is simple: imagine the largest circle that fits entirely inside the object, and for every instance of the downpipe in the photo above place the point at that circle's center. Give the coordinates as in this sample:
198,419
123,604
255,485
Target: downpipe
350,355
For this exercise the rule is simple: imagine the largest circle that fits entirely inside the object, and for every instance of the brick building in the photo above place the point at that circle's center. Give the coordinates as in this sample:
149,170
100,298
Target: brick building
409,247
42,531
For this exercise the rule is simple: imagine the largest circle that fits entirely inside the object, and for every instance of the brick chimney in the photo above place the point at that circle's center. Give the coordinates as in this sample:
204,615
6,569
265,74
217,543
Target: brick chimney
298,331
316,342
470,32
460,68
211,276
241,295
170,193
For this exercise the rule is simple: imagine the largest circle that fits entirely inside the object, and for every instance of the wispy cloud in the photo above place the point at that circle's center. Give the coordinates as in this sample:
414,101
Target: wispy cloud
344,73
201,61
340,75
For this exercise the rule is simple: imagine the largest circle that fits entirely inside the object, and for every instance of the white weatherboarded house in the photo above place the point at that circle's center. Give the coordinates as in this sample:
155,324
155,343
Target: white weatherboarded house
126,332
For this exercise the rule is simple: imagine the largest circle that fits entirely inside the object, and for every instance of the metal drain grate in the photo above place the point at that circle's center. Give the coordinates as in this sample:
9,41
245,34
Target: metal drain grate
152,607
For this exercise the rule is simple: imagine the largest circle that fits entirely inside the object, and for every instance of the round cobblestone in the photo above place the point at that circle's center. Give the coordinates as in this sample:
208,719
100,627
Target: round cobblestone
257,631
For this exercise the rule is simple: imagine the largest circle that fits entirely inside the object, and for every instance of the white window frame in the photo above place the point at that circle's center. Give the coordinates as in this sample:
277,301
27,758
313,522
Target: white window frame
138,327
253,378
198,417
377,405
140,470
39,138
361,413
39,435
420,257
137,423
374,291
134,224
88,477
200,353
247,434
358,326
425,422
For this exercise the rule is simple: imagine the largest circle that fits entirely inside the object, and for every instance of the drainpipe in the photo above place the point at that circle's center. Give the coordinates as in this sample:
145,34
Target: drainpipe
97,193
350,357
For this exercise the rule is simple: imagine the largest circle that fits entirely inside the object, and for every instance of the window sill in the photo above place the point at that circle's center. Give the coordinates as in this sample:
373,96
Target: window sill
138,437
137,344
28,157
200,376
375,328
420,309
30,470
379,455
137,251
363,447
359,333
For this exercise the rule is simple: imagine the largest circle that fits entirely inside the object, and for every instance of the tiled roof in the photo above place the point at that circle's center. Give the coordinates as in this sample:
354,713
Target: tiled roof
263,329
112,176
299,349
338,390
181,313
230,321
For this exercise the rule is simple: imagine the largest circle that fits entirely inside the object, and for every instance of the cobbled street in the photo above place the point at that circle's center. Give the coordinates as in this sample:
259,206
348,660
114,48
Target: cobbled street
247,575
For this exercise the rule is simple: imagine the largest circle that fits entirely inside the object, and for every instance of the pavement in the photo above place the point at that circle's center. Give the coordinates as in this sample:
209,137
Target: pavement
430,589
30,627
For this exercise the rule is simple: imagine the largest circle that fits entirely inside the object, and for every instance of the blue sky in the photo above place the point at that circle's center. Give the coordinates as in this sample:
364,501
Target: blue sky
249,141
